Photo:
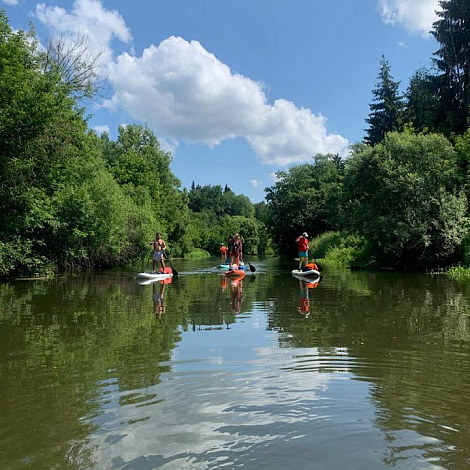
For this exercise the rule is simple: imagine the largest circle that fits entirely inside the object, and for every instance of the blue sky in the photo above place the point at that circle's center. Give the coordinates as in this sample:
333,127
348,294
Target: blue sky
240,90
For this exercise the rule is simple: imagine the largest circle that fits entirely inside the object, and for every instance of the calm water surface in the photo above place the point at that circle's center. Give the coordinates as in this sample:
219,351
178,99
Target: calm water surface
362,371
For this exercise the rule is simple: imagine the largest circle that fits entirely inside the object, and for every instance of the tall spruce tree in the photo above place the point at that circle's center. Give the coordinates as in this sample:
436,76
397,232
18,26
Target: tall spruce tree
452,32
386,110
422,107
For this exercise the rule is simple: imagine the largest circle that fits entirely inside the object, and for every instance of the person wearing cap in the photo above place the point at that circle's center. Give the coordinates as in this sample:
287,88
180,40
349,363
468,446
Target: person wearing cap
302,244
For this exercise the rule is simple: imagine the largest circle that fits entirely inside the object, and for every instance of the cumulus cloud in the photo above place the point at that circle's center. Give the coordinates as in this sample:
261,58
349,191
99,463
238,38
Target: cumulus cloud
101,129
415,15
184,92
89,19
256,183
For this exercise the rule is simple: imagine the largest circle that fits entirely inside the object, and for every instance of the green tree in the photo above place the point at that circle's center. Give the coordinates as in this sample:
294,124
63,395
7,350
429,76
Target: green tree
401,197
422,102
143,170
306,197
452,32
386,110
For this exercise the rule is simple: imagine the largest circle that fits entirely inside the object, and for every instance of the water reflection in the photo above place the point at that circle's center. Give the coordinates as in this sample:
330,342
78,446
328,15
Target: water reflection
304,297
159,306
236,295
360,371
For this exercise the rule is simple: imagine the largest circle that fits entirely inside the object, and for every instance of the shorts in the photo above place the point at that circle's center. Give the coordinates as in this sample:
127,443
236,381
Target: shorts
158,255
303,254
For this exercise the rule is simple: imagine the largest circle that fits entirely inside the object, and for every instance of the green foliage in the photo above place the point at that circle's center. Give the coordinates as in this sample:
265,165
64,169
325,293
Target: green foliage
322,244
197,253
305,198
402,199
422,101
218,213
459,272
341,248
452,32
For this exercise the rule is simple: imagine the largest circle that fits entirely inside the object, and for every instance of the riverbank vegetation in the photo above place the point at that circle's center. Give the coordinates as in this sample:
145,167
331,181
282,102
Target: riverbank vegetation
400,199
71,198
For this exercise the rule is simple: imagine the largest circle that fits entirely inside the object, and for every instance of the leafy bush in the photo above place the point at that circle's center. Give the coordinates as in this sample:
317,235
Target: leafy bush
197,254
343,249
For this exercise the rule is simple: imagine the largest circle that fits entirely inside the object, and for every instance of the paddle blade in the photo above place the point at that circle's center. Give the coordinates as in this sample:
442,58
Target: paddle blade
252,268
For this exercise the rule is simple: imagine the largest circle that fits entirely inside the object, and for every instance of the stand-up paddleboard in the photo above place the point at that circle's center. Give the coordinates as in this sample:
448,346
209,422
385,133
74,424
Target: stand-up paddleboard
147,282
242,267
309,273
155,276
310,270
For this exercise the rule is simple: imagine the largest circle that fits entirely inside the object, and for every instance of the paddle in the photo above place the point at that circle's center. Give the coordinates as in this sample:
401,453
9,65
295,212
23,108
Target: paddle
252,268
320,268
175,272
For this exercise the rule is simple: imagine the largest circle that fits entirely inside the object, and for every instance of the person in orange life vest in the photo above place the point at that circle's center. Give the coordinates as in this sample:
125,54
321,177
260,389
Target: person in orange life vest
158,254
302,244
223,253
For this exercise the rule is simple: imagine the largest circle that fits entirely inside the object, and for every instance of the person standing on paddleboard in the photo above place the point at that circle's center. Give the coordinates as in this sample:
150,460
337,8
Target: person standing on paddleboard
158,255
236,250
223,253
302,245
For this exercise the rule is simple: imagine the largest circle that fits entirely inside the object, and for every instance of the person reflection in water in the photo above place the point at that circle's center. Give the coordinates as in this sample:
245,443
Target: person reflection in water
236,295
159,306
304,300
223,283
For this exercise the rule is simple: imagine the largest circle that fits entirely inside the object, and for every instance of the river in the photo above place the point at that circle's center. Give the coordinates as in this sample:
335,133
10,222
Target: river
359,371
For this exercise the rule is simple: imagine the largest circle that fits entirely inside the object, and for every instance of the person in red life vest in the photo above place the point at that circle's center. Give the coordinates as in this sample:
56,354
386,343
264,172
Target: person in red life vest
223,253
158,254
302,245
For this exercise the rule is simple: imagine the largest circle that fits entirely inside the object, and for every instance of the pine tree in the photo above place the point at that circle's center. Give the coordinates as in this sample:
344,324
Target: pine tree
386,111
452,32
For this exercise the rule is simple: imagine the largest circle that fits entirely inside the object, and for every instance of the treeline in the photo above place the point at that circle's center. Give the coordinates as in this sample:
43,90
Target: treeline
71,198
217,212
401,198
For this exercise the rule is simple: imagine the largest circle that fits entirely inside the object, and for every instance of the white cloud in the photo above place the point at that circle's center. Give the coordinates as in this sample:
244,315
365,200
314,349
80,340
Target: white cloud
88,18
415,15
256,183
10,2
100,129
184,92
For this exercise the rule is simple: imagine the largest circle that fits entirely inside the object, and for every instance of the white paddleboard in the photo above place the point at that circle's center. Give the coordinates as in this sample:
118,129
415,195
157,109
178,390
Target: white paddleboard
154,276
312,273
